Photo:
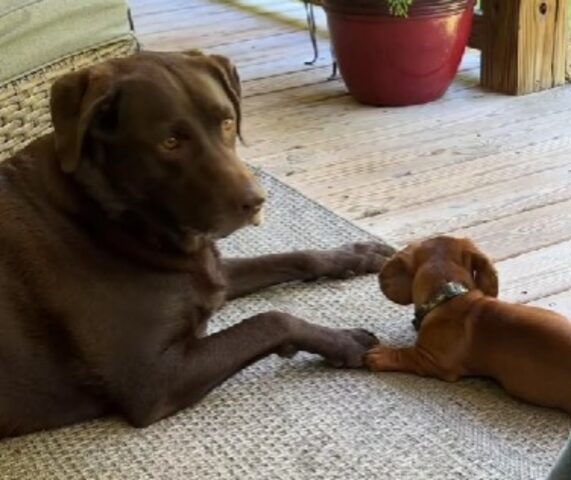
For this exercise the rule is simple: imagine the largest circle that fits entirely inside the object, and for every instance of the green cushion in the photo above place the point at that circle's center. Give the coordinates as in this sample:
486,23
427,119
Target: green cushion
34,33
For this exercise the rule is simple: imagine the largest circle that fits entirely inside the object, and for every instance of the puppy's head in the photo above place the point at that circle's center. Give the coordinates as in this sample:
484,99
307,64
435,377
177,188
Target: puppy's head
156,134
414,274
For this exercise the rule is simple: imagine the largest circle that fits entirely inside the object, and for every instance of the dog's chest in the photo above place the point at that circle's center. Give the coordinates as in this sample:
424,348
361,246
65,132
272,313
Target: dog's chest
156,304
207,291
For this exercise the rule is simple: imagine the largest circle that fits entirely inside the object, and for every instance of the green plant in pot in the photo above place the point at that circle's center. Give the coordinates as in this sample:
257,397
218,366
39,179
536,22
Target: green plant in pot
398,52
399,8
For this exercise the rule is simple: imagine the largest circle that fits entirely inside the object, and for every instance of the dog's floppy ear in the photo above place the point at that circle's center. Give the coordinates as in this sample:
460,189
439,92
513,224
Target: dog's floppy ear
225,72
483,271
231,77
228,76
75,100
396,278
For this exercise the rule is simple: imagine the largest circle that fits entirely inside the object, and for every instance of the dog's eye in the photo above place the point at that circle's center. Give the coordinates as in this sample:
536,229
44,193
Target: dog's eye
170,143
228,125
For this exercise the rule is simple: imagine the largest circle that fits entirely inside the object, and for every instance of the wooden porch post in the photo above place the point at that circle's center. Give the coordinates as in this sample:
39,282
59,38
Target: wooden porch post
568,54
524,45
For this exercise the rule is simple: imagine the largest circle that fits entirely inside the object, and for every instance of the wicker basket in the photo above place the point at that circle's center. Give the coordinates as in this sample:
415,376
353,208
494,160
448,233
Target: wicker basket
24,102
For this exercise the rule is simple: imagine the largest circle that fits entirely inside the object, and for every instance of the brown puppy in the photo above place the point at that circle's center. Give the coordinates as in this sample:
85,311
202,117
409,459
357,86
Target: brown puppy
108,264
465,331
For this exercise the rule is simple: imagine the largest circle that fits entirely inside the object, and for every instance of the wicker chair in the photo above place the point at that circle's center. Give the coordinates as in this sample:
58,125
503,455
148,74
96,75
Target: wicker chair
24,99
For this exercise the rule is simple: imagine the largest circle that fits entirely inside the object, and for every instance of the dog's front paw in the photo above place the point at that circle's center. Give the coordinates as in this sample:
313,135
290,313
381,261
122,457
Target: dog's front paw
356,259
341,347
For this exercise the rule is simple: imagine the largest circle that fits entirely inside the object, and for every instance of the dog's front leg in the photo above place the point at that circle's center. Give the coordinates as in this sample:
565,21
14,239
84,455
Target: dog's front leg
247,275
183,373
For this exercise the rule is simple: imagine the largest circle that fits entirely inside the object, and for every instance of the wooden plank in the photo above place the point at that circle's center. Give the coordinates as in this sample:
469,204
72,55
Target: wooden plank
144,12
456,123
314,106
282,12
256,57
191,25
317,74
380,150
412,167
401,188
278,55
559,302
524,45
203,23
177,19
207,38
464,210
523,232
536,275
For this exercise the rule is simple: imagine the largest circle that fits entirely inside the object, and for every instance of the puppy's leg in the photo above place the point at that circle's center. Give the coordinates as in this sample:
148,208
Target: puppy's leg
183,373
386,359
247,275
407,360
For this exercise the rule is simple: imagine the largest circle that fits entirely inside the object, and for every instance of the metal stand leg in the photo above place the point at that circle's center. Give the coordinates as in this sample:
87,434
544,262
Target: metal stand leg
333,75
312,27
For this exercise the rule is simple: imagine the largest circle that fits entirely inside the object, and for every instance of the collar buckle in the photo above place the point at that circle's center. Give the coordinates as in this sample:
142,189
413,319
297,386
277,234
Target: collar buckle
448,291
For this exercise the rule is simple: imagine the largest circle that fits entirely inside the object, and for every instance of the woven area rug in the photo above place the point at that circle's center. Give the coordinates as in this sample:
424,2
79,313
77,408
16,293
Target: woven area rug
297,419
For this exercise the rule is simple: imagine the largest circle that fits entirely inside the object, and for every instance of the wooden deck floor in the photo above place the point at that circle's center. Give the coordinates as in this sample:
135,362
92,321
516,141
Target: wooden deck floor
493,167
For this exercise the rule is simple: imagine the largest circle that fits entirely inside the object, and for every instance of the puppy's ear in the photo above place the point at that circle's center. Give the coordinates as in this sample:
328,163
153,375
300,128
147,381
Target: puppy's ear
483,271
76,98
396,278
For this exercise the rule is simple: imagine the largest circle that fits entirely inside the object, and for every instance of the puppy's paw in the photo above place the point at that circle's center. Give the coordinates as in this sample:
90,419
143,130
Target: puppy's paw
351,345
376,358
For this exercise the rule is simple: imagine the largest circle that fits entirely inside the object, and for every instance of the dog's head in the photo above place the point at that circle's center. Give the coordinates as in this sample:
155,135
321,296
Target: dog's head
156,134
413,274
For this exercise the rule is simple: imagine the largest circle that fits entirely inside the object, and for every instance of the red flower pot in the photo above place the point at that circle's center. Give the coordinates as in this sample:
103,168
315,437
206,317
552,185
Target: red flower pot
387,60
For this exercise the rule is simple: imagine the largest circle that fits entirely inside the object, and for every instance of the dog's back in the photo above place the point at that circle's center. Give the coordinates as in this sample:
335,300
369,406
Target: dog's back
36,361
527,349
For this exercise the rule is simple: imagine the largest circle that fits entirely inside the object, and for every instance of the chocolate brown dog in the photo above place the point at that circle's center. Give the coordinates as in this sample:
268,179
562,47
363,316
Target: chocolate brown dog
108,264
465,331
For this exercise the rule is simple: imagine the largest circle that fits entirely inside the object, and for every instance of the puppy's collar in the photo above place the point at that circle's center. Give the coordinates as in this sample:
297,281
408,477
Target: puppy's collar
448,291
